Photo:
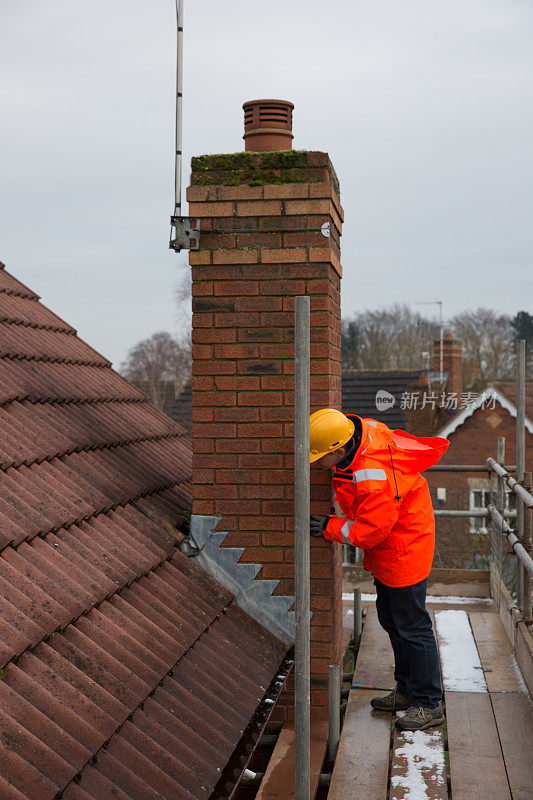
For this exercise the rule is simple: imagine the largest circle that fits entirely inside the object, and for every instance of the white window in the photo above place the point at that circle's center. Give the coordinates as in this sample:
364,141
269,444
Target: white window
479,494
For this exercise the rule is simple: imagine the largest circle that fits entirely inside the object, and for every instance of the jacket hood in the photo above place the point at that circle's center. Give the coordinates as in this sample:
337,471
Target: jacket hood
409,453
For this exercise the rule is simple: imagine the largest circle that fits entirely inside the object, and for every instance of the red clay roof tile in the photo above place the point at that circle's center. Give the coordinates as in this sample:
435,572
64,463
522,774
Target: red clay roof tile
135,672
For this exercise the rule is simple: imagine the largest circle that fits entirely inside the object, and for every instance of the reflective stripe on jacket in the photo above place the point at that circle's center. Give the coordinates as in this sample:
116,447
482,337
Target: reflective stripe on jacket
386,503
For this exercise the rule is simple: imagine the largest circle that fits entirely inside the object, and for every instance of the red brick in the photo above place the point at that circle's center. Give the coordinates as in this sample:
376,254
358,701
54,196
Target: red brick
213,461
196,194
199,257
262,555
237,446
261,208
213,335
238,383
278,382
283,288
260,334
212,241
200,384
276,507
259,367
203,507
202,320
236,289
236,351
282,414
235,257
202,351
286,191
258,523
202,414
277,351
270,571
259,398
259,304
238,539
215,399
203,289
215,492
204,445
216,431
214,368
210,210
251,461
204,475
317,206
257,492
243,192
237,414
260,431
214,273
235,507
284,256
259,239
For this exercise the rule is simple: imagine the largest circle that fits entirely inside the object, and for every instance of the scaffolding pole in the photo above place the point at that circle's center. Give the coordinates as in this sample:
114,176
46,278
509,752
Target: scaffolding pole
302,693
520,454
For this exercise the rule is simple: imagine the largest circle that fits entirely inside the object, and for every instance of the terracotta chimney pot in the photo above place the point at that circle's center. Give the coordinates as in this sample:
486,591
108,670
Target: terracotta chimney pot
268,125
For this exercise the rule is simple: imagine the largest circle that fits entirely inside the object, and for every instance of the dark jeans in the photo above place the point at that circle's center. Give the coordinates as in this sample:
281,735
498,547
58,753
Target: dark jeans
402,613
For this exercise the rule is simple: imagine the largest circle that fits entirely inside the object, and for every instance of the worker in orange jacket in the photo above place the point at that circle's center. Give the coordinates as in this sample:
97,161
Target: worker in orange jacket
387,512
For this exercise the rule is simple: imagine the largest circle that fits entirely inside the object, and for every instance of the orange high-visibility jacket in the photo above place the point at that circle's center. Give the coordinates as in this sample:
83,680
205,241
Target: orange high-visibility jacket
386,503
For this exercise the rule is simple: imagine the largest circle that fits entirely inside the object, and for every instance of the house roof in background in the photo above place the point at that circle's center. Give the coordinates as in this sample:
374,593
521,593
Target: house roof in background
360,387
127,671
482,398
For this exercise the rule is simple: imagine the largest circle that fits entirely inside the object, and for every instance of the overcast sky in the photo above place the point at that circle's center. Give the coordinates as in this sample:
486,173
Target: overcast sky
425,106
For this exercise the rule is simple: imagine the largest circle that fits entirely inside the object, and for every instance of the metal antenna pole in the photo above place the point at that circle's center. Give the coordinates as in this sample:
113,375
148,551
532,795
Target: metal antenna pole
302,694
179,108
520,452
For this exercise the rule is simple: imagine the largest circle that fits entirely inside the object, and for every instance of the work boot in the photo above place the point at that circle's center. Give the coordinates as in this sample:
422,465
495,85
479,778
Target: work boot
394,701
418,718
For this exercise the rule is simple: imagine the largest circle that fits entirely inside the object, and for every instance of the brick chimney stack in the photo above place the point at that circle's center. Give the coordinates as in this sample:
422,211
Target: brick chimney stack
270,230
452,362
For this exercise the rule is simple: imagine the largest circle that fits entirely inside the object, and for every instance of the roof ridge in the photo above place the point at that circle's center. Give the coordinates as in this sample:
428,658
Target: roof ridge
59,360
29,295
70,331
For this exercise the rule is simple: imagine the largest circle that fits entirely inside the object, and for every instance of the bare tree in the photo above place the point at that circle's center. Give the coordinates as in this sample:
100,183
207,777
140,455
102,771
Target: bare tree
488,346
390,338
155,363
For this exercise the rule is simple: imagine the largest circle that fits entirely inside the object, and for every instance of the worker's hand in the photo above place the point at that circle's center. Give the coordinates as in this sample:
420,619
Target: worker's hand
317,525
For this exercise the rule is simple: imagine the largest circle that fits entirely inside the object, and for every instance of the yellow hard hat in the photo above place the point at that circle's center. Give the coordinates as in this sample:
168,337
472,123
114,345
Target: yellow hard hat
330,429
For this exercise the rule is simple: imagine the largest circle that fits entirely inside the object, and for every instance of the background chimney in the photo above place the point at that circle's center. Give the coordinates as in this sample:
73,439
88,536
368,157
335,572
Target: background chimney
267,125
452,363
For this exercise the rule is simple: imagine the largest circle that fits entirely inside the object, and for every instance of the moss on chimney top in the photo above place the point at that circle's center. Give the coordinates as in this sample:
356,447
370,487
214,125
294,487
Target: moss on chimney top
259,169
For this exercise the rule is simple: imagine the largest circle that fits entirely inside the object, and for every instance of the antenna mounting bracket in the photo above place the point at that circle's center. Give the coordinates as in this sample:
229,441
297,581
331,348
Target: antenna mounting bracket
185,233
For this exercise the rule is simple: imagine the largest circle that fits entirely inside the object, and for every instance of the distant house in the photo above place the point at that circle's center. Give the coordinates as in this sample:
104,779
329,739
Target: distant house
126,670
473,433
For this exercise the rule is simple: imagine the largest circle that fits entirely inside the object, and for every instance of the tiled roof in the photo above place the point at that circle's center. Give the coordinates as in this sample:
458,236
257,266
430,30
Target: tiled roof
508,388
127,672
359,388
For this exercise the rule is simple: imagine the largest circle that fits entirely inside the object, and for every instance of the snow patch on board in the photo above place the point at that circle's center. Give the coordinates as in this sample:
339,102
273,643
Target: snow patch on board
521,681
419,766
460,664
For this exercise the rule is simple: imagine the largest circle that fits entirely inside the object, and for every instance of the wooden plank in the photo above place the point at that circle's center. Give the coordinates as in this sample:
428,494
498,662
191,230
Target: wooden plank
375,662
419,765
477,767
278,781
514,720
362,764
496,652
